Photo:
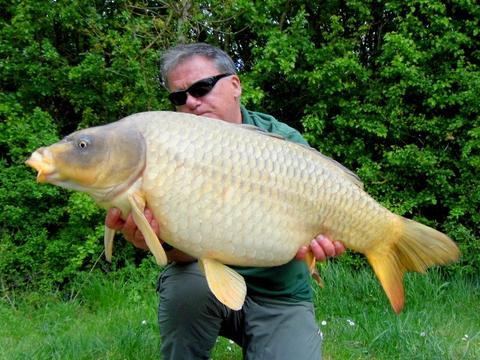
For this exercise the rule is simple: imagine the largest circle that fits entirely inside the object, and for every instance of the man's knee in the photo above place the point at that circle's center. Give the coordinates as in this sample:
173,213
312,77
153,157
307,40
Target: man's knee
189,316
180,287
185,296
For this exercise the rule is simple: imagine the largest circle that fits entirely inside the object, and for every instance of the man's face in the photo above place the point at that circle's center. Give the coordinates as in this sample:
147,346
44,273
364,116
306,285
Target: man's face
222,102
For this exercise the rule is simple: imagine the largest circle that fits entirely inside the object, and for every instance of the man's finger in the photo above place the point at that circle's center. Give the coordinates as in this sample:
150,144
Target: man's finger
317,250
326,245
113,219
139,240
339,248
129,228
155,226
301,253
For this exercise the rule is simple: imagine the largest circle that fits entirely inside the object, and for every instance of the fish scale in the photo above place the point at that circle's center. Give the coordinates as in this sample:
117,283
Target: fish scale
229,194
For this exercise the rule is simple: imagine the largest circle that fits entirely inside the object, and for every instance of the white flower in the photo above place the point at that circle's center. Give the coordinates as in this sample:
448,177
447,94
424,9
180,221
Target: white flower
465,337
324,323
351,322
229,348
231,341
144,322
423,334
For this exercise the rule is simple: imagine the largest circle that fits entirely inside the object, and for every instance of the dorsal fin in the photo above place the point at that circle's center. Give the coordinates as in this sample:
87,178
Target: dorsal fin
347,173
262,131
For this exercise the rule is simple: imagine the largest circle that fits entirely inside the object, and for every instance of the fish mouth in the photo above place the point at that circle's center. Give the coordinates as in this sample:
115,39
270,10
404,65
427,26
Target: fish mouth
42,161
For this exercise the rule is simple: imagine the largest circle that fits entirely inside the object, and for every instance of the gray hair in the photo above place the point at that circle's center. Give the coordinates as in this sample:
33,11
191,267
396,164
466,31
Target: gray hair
173,57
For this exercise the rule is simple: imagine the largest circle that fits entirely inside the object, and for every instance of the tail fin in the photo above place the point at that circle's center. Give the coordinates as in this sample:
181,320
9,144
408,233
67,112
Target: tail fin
417,248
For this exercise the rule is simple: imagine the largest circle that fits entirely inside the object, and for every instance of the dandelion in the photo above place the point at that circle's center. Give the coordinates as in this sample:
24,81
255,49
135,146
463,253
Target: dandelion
351,322
324,323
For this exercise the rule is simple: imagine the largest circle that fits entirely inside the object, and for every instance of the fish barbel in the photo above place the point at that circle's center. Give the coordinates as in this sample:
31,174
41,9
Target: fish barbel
208,182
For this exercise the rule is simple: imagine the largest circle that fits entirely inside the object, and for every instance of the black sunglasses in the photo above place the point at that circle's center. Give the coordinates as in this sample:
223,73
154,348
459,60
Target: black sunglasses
198,89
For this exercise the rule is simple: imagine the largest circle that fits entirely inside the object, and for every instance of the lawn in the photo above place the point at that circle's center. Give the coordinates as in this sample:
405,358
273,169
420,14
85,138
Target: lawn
113,316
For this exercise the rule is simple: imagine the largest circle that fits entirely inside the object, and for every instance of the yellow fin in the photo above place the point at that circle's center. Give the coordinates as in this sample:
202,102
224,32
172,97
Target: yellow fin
417,248
138,205
108,242
226,284
312,268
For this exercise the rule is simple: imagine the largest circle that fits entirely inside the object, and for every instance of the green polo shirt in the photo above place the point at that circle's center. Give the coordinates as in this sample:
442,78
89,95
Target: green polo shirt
289,282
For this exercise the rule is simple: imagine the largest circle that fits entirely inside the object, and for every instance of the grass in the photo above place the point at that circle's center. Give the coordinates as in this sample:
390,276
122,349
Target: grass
441,319
113,316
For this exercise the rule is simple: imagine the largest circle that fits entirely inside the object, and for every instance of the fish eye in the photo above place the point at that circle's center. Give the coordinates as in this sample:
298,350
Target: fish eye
82,144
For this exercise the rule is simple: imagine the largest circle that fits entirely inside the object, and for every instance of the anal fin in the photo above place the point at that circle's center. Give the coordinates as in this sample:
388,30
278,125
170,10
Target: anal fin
226,284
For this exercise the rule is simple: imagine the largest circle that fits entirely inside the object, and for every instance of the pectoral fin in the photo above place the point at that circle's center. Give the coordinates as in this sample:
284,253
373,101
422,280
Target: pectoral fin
138,205
312,268
108,243
226,284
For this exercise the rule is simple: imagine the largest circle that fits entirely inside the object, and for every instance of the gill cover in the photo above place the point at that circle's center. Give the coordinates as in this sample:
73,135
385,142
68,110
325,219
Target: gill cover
103,157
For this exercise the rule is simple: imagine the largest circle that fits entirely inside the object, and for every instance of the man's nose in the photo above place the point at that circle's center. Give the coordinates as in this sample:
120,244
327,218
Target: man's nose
192,102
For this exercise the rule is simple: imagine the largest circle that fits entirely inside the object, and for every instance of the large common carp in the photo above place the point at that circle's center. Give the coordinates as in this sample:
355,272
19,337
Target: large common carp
208,182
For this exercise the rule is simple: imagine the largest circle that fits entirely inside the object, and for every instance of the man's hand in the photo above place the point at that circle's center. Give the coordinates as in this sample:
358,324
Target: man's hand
128,227
322,248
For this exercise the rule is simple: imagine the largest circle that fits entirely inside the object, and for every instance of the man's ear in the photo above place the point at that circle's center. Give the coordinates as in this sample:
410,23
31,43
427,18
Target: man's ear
237,86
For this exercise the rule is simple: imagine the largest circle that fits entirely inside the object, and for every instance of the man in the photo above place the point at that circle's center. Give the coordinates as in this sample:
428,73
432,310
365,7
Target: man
277,320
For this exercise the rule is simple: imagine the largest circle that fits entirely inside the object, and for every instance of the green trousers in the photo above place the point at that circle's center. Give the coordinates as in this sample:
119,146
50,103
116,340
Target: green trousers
191,319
